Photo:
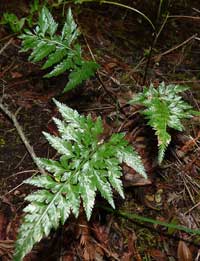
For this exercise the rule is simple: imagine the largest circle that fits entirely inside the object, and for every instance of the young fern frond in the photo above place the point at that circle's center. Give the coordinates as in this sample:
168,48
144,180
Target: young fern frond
86,165
165,109
60,50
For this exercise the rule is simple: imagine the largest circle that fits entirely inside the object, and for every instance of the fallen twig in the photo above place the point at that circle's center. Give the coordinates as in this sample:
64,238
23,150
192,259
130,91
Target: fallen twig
29,148
152,47
110,94
158,57
6,45
185,17
98,76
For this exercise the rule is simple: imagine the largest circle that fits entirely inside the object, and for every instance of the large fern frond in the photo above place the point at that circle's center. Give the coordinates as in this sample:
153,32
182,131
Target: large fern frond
165,109
59,50
86,165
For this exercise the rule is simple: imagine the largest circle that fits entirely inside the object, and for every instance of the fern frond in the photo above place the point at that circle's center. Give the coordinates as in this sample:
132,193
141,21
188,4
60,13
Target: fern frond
59,50
85,166
165,109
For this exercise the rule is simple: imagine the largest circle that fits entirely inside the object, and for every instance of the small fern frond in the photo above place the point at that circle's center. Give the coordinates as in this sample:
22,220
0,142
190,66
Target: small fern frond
59,50
83,72
85,166
165,109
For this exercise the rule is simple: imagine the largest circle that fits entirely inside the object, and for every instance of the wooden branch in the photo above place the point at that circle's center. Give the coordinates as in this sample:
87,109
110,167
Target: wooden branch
29,148
6,45
158,57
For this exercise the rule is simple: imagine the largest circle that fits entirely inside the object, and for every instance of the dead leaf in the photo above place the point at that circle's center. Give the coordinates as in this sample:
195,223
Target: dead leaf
183,252
158,255
16,75
67,257
101,233
6,249
131,178
132,253
189,145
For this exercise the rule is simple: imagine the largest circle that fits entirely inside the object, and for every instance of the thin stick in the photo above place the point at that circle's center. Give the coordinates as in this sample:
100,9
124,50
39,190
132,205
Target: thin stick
29,148
176,47
128,7
195,206
152,47
185,17
98,75
6,45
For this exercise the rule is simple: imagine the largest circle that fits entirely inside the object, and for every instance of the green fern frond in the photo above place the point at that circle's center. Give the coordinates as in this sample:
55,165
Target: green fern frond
59,50
86,165
165,109
80,74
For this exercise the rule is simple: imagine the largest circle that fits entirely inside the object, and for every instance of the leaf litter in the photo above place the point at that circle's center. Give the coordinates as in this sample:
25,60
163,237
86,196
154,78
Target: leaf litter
107,236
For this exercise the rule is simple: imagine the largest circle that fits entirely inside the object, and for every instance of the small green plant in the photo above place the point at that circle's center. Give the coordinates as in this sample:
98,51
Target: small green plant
60,50
16,25
86,165
165,109
34,9
13,22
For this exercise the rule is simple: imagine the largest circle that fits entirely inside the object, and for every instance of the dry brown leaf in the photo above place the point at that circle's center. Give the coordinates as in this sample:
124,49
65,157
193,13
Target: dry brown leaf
16,75
158,255
132,253
6,249
131,178
189,145
67,257
183,252
101,233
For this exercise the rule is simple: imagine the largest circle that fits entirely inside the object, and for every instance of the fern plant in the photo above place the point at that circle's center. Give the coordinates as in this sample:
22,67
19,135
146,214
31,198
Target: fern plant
16,24
60,50
86,165
165,109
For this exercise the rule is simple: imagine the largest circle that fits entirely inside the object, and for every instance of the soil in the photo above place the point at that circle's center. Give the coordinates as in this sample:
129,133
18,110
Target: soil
120,40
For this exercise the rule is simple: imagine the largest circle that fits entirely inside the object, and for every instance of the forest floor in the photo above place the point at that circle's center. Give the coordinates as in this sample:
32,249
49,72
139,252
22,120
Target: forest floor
120,42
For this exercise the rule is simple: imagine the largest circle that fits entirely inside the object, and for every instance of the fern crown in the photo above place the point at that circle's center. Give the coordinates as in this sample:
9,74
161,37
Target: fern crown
60,50
165,109
86,165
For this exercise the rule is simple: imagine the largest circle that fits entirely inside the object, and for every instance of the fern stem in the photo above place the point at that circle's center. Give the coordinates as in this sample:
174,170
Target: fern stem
98,75
56,42
120,5
154,41
130,8
110,94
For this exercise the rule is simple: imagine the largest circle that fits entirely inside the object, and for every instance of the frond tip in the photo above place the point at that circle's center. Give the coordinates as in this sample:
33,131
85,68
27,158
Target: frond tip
85,166
164,108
